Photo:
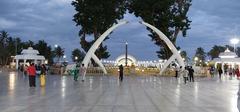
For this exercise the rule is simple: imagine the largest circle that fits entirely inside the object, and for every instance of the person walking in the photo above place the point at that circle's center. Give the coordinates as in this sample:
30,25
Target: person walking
220,72
38,69
191,72
25,70
82,71
185,74
121,72
32,75
75,73
211,70
237,73
43,75
230,71
177,71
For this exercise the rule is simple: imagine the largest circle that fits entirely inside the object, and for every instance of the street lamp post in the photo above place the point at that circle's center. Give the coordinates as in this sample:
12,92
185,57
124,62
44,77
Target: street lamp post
15,47
126,53
196,59
64,58
234,41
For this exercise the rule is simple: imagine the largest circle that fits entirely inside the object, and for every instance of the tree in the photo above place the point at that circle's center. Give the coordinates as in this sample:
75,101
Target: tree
184,56
238,51
18,43
201,55
79,54
231,48
44,50
215,51
95,17
170,16
58,53
4,36
8,46
25,45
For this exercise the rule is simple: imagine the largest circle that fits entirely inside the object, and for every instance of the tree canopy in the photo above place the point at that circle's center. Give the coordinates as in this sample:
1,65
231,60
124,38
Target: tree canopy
96,16
201,56
58,53
170,16
11,46
217,49
77,55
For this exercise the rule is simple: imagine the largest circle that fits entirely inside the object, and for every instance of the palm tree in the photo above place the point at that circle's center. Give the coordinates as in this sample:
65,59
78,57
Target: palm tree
3,38
3,44
77,55
58,52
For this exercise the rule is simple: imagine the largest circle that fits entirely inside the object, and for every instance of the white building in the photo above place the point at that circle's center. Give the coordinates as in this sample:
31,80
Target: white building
227,58
29,55
132,61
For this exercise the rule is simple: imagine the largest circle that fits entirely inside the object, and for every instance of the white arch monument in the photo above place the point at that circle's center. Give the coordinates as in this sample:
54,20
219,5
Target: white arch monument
91,52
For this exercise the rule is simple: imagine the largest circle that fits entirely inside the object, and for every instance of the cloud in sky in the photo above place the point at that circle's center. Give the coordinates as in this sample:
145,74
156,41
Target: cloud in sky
213,22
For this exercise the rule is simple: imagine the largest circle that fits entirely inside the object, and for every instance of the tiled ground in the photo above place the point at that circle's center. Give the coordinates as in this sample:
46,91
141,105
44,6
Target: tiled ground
106,94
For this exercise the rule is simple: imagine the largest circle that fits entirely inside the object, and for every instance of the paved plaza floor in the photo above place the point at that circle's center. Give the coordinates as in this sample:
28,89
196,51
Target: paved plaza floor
106,94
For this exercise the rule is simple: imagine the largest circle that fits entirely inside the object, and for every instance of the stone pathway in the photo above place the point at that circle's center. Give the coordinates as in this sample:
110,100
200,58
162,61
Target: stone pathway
106,94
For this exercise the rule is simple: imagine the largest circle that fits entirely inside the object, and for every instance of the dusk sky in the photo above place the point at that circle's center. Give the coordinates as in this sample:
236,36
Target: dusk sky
213,22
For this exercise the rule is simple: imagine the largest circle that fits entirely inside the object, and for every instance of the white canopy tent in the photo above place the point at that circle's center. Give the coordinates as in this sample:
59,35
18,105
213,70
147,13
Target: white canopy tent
29,54
227,57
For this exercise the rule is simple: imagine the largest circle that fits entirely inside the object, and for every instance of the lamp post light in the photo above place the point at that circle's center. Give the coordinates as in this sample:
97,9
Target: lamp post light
64,58
234,41
196,59
76,58
55,45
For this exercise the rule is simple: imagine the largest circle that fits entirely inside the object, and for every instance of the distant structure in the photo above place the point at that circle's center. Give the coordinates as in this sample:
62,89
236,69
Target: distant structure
91,52
228,58
30,55
132,61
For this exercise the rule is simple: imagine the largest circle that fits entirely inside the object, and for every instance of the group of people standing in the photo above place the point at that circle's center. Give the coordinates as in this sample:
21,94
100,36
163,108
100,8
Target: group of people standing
31,71
78,71
232,72
187,73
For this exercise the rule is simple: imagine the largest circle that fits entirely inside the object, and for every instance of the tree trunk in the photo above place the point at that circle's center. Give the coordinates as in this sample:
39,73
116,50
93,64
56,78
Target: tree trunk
177,30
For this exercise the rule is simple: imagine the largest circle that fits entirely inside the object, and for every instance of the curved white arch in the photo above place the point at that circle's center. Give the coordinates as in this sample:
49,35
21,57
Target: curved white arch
123,56
96,44
170,45
95,58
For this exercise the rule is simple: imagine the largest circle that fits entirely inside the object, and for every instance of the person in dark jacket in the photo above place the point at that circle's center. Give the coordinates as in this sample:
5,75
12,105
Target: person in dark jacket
43,75
121,72
191,72
32,75
220,72
43,70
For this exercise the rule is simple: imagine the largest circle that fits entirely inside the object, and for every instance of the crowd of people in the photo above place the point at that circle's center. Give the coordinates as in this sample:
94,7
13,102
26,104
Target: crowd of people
34,70
231,72
187,73
41,71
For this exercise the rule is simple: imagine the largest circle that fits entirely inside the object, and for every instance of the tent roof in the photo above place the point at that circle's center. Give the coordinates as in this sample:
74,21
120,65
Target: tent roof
227,54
